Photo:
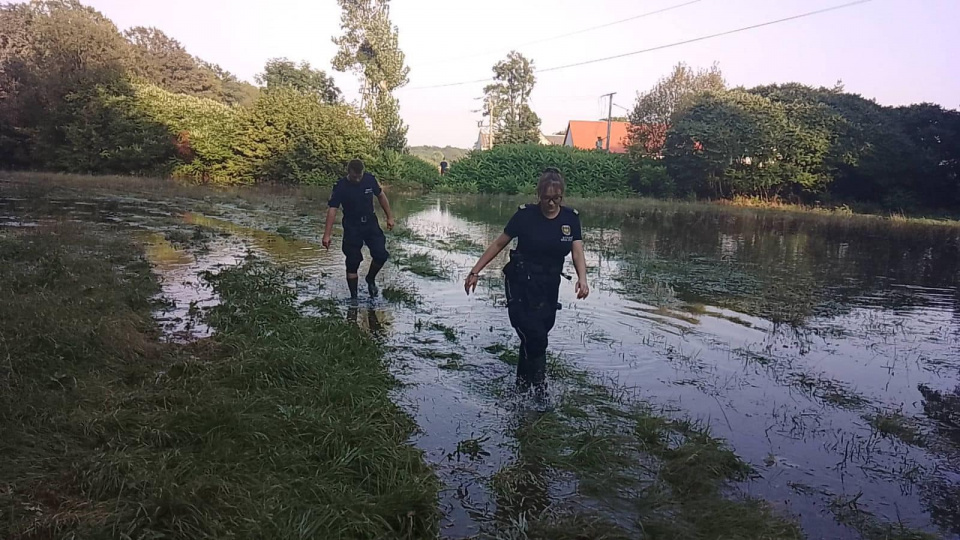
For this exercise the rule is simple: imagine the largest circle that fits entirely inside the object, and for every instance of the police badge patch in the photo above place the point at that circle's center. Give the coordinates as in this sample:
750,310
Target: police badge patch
565,230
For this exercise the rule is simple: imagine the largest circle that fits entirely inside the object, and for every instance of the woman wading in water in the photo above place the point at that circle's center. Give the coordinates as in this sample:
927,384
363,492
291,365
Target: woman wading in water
546,233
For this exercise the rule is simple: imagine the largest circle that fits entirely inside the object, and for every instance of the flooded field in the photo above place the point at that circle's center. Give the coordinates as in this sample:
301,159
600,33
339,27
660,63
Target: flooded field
824,350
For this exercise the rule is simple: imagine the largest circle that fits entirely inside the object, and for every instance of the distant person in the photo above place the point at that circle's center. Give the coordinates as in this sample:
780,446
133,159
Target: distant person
443,167
546,233
599,143
355,193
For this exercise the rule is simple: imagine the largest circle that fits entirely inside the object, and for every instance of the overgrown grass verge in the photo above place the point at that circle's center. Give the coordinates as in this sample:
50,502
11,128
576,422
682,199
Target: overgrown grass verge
279,427
657,476
898,217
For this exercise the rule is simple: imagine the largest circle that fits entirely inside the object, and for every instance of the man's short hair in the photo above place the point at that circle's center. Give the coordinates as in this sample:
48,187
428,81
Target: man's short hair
355,166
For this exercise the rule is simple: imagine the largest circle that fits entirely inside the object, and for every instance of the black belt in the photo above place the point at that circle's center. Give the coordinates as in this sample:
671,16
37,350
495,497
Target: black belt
524,265
359,220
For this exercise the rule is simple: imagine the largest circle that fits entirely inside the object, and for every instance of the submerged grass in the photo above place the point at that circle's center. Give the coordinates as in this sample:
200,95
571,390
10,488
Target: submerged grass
461,243
661,477
400,294
895,424
847,511
279,427
423,265
450,334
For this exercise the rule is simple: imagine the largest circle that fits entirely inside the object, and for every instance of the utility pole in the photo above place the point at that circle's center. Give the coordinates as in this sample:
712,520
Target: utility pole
609,117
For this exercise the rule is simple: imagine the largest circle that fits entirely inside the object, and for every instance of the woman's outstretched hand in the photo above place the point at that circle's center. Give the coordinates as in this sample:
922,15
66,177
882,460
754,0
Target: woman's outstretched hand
470,284
583,290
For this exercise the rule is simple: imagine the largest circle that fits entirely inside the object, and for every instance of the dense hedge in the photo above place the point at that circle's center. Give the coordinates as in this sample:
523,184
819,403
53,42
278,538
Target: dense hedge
294,137
202,130
102,129
515,169
404,171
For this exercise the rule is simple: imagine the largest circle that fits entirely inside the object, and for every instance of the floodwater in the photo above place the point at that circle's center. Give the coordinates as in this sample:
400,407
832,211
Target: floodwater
787,334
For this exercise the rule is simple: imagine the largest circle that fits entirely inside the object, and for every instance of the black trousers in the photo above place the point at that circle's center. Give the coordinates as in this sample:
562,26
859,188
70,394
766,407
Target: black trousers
532,307
355,235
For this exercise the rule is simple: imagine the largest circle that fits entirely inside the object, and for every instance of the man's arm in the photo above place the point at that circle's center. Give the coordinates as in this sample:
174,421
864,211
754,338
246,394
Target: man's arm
331,217
385,204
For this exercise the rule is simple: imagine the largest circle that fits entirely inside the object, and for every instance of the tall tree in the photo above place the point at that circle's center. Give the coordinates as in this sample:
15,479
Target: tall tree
508,101
738,143
57,50
162,60
284,73
370,48
653,111
233,91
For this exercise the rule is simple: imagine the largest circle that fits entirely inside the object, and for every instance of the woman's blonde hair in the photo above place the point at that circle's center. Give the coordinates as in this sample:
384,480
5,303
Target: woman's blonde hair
551,177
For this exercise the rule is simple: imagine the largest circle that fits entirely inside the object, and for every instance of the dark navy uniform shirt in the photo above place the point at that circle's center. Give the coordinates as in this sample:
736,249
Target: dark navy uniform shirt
356,199
542,240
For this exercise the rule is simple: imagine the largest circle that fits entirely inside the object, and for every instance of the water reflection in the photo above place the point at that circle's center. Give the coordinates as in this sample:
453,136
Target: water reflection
284,249
376,322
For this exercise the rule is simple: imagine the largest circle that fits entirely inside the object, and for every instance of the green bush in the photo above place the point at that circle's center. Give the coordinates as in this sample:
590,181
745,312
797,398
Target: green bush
515,169
649,177
103,129
404,171
292,137
203,130
420,172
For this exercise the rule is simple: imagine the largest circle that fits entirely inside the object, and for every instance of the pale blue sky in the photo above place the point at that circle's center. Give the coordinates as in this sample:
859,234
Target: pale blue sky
897,51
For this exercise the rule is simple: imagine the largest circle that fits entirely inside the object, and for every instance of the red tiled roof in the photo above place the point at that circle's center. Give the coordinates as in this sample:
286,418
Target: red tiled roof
584,134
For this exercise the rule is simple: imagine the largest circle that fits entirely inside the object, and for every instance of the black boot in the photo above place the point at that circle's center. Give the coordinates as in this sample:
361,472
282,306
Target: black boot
372,288
371,278
352,284
531,373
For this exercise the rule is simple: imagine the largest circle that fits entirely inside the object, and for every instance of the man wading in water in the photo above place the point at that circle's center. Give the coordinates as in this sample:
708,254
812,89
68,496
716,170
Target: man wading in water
546,233
355,193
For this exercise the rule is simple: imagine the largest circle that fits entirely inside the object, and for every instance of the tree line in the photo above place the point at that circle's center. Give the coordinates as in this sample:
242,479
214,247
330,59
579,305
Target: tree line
693,136
797,142
79,95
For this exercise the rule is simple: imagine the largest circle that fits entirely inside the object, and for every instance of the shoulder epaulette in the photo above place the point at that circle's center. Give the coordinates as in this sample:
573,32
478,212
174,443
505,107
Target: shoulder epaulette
574,210
524,206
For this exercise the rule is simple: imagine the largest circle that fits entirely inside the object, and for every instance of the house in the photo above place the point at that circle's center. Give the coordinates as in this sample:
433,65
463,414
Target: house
484,141
583,134
551,140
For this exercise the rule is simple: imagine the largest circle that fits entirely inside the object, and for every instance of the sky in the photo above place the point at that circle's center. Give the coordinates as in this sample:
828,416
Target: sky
895,51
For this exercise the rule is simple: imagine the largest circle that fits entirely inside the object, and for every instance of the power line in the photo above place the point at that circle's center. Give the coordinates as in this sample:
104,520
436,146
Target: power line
561,36
667,46
711,36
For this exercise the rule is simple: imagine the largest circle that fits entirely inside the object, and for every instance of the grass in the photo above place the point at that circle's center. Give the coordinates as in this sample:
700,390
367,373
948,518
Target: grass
666,477
847,511
407,234
280,426
423,265
842,210
461,243
942,407
471,449
430,354
817,386
507,355
654,474
895,424
400,294
449,333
